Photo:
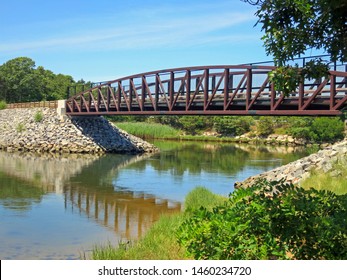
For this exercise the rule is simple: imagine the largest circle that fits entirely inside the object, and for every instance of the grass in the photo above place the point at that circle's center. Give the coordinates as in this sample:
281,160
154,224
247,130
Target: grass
38,116
20,127
335,181
160,242
160,131
3,105
149,130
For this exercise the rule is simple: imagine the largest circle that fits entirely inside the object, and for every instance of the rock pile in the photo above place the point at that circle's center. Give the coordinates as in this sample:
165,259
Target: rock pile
298,170
42,130
285,140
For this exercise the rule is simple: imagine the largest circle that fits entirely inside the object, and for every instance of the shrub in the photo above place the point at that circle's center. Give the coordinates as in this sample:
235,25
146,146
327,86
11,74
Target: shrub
327,129
194,124
38,116
20,127
3,105
233,125
271,220
320,129
265,126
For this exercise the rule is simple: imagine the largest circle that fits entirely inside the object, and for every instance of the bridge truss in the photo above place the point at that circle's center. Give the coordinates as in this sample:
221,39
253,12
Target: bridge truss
210,90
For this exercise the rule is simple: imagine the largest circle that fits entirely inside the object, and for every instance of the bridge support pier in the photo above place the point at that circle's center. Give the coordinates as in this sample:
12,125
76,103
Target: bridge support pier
61,109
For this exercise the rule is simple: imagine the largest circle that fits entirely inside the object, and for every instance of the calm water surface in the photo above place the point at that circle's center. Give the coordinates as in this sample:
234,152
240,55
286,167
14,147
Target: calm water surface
59,207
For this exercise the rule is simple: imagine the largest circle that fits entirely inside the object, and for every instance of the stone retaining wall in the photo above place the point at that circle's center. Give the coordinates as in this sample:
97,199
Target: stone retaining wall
22,130
298,170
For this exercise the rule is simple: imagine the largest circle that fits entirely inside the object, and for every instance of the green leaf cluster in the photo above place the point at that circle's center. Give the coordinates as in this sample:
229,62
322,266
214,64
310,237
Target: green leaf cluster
22,81
3,105
292,27
38,117
320,129
271,220
232,125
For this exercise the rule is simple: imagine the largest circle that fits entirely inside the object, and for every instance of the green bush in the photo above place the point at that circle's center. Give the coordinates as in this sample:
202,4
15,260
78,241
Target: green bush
327,129
320,129
3,105
271,220
265,126
194,124
233,125
20,127
38,116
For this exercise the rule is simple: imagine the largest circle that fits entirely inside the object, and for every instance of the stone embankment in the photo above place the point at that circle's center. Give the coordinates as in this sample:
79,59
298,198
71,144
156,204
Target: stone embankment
299,170
43,130
285,140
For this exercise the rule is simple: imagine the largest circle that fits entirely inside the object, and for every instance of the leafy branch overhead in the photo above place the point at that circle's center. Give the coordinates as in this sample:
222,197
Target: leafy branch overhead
293,27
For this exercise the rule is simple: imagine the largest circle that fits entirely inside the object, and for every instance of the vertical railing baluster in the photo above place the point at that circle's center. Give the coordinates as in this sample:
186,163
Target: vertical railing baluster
156,92
248,88
143,93
301,95
206,85
188,81
130,94
332,91
226,87
171,89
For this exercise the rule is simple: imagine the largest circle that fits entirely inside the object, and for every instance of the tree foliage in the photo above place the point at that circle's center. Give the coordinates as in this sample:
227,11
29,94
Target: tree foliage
319,129
292,27
22,81
271,220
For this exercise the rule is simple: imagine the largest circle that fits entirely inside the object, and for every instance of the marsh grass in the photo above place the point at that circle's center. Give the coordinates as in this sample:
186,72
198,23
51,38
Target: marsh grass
335,181
149,130
160,242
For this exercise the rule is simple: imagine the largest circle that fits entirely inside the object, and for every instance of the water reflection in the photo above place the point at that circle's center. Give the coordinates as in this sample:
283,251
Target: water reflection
54,206
42,195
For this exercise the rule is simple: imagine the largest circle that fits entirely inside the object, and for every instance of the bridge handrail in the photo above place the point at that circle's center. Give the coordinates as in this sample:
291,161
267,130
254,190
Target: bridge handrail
176,71
40,104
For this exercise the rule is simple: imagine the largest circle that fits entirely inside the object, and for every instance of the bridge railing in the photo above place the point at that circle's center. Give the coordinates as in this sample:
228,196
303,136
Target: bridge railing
41,104
213,90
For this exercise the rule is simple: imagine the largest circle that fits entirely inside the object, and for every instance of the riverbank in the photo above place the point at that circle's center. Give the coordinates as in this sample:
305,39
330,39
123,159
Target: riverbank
329,163
151,131
160,242
295,172
43,130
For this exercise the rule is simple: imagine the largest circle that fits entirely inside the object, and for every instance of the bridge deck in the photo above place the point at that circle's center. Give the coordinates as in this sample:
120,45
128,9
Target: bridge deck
210,90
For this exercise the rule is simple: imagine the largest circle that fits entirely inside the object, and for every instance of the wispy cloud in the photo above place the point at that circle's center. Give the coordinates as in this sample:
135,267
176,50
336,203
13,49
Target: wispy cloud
189,30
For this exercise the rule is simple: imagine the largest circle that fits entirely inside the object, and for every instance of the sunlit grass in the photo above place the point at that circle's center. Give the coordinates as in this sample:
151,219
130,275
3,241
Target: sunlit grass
335,181
160,241
149,130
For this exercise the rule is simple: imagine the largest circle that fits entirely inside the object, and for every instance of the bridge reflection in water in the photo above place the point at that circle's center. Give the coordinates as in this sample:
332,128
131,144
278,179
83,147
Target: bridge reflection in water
128,213
85,181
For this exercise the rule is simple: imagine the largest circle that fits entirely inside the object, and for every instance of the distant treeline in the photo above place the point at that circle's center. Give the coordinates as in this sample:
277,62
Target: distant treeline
22,81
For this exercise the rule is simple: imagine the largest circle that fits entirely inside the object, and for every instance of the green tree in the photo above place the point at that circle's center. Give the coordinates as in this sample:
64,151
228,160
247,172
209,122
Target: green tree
233,125
21,81
294,26
18,79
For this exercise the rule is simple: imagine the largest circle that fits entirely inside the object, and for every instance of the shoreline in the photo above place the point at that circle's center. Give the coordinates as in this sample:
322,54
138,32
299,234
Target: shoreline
299,170
43,130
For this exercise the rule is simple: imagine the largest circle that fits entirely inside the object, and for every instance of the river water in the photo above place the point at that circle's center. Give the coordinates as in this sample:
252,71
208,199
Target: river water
59,207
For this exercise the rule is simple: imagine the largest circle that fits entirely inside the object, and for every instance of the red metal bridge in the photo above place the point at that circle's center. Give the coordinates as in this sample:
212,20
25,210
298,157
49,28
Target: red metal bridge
211,90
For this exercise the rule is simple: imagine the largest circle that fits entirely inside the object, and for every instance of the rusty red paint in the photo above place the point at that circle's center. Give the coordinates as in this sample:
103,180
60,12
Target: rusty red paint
208,90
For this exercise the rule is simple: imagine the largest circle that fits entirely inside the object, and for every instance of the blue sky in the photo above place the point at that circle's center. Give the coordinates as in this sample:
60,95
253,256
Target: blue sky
104,40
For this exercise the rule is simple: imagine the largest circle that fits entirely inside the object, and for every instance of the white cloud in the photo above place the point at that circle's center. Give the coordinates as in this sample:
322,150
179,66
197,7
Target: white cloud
187,30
